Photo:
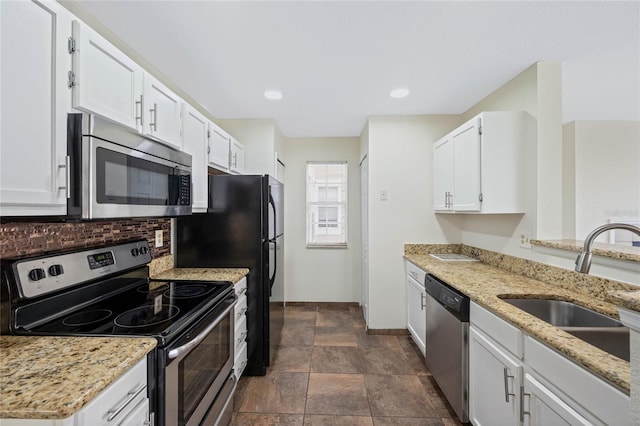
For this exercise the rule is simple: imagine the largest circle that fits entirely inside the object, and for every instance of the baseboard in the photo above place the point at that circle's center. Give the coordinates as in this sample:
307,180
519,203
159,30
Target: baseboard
323,304
388,331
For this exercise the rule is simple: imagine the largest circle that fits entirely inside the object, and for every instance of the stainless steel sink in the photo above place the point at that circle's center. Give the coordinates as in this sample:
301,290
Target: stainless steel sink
601,331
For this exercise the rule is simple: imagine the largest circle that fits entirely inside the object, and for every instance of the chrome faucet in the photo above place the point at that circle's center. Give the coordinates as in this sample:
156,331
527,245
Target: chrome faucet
583,262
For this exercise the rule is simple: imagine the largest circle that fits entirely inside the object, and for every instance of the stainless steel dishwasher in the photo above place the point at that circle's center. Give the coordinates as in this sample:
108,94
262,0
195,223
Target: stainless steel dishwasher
447,353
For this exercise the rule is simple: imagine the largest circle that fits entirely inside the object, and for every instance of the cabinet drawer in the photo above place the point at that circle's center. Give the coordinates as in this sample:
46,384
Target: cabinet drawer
240,360
577,383
500,330
416,273
127,392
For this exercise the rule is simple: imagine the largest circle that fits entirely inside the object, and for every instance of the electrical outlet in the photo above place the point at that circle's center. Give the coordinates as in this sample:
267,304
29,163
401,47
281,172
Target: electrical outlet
159,241
525,240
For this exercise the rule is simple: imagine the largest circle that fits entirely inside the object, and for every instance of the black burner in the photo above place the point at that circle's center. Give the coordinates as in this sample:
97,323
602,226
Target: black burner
188,291
146,316
87,317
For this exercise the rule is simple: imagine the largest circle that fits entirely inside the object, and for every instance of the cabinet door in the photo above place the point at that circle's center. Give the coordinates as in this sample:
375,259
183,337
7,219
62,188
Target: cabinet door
194,140
442,173
542,407
237,157
416,314
218,148
494,382
162,110
107,82
466,167
35,101
139,416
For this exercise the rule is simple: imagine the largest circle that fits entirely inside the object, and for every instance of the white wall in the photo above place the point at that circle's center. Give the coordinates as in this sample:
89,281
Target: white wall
604,172
399,153
321,274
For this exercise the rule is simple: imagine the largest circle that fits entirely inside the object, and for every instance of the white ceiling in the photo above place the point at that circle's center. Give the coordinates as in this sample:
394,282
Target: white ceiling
336,62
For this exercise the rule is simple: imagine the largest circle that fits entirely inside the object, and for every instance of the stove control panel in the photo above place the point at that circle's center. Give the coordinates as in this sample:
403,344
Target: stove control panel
44,274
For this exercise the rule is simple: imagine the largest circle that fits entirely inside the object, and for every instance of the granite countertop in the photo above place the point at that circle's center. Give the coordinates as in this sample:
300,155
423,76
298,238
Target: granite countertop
626,299
203,274
54,377
614,251
484,284
162,269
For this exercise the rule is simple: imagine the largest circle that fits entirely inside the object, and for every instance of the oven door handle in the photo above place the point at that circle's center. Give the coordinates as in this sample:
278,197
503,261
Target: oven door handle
175,353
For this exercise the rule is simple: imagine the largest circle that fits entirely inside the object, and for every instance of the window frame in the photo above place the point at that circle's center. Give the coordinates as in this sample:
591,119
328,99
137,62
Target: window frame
340,205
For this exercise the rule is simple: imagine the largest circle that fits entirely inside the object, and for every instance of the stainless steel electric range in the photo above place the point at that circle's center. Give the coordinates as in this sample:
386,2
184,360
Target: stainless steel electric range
106,291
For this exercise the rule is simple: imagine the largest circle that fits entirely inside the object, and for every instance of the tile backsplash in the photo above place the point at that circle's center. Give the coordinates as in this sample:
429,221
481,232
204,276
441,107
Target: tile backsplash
31,238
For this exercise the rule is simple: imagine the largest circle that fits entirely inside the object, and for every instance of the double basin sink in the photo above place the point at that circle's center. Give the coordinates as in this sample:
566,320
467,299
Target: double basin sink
594,328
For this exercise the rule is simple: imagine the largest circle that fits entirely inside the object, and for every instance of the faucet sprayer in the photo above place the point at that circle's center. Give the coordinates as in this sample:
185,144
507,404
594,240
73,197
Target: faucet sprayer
583,262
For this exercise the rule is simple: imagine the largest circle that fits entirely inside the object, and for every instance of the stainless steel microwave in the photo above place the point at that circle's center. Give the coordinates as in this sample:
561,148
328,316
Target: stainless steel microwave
117,173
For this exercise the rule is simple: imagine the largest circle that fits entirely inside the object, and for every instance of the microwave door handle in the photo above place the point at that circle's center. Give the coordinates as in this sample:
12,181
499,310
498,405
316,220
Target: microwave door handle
175,353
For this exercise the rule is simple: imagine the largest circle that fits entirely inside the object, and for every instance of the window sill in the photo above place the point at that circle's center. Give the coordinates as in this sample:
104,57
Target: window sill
326,246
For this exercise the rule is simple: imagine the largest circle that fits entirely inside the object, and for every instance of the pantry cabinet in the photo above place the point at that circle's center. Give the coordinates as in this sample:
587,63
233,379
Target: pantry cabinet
162,112
35,101
194,141
105,81
479,167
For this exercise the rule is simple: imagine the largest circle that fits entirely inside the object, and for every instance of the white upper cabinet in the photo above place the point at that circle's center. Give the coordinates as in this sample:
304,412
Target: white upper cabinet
218,151
162,112
479,167
35,101
194,140
236,158
106,81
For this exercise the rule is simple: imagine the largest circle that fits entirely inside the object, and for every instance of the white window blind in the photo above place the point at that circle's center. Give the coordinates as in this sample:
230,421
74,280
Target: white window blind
327,204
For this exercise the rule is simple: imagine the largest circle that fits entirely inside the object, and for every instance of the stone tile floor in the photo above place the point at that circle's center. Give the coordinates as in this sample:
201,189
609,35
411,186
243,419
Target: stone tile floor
328,371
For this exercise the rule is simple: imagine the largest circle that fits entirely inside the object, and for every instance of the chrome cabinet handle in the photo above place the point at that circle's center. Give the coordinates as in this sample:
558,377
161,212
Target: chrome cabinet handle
67,175
113,413
242,337
154,123
423,301
241,313
140,116
414,274
235,158
507,394
522,412
175,353
243,291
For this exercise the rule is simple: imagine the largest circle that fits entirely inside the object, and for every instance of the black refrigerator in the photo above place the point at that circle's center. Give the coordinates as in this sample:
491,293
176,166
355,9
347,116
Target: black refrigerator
243,228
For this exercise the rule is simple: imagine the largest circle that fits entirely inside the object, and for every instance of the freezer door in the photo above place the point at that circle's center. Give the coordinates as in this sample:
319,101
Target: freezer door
276,208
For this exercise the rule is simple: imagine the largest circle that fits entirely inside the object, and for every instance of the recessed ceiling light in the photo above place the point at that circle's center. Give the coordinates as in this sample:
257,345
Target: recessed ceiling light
273,95
399,93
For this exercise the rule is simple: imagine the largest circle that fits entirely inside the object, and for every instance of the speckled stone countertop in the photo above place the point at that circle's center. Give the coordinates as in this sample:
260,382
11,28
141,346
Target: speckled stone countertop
626,299
162,269
54,377
615,251
486,284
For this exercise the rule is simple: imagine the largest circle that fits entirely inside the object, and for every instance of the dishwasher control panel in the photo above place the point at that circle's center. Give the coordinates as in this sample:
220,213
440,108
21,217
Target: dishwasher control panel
454,301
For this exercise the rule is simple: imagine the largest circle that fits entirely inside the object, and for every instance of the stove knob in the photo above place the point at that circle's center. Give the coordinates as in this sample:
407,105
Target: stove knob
55,270
135,251
36,274
144,250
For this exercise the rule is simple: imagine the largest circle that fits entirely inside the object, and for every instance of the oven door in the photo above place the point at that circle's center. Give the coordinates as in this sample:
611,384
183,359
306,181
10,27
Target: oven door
197,366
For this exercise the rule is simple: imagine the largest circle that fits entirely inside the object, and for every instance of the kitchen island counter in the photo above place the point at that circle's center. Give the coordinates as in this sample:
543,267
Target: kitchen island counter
487,285
44,377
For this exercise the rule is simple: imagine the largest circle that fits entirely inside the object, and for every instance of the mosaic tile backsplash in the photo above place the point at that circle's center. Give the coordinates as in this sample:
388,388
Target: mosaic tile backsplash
26,239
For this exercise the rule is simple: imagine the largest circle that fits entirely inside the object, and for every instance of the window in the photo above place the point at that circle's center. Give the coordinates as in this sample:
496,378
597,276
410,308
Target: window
327,204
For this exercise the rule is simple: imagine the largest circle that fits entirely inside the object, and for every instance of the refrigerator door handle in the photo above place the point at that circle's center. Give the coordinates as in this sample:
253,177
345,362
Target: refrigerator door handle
273,241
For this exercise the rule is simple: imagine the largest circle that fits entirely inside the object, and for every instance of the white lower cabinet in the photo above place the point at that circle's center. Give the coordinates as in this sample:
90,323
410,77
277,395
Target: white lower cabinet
241,332
516,380
494,382
495,369
416,300
123,402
